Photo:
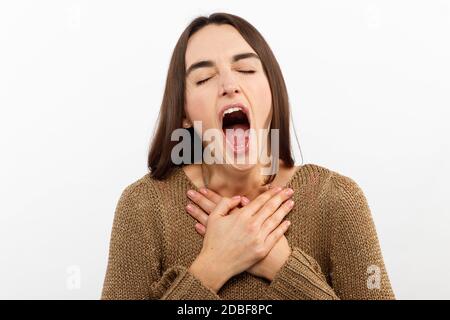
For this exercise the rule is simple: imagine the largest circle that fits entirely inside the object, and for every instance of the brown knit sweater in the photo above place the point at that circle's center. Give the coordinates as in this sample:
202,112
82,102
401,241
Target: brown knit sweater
335,249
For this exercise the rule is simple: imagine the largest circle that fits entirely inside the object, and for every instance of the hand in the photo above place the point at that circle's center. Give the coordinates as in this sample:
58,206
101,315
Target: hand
267,267
237,238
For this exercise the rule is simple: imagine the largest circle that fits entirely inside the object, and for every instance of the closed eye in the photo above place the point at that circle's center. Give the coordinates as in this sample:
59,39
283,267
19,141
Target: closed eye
241,71
202,81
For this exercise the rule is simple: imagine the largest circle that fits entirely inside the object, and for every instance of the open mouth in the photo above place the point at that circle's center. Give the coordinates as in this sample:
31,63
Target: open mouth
235,126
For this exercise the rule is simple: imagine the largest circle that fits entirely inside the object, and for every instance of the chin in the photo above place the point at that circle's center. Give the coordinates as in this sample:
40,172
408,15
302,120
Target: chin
241,167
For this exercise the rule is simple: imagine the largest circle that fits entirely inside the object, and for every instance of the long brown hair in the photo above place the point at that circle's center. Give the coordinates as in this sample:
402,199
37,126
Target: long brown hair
172,111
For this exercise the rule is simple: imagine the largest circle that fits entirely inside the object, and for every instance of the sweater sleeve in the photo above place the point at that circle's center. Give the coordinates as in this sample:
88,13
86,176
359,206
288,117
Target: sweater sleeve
300,278
134,262
357,266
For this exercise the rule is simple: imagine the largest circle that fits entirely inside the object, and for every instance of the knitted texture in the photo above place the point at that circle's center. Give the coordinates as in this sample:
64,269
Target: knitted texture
335,249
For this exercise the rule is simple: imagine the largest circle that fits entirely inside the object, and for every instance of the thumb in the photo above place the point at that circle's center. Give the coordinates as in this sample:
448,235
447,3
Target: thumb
225,205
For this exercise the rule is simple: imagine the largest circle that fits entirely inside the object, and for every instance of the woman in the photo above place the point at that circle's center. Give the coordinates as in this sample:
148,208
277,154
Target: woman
213,230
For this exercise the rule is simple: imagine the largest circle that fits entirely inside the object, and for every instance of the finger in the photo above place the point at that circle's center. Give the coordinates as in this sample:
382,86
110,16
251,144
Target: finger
276,234
255,205
214,197
201,229
200,200
275,219
271,206
244,201
210,195
197,213
225,205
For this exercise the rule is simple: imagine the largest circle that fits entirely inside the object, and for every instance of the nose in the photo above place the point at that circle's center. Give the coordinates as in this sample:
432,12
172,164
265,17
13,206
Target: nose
229,87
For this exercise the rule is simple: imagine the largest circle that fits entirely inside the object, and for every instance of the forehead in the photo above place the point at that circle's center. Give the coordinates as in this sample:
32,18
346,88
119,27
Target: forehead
215,42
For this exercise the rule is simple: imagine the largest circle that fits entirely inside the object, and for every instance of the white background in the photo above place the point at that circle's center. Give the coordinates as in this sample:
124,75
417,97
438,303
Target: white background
81,83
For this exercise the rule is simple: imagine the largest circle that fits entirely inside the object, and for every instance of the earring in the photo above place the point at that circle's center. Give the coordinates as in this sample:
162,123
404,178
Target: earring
186,124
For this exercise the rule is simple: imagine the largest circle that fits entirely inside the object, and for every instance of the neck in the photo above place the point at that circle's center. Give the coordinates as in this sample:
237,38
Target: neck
228,181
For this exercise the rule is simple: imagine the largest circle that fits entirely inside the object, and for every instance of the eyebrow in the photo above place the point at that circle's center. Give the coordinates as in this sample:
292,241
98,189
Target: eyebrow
209,63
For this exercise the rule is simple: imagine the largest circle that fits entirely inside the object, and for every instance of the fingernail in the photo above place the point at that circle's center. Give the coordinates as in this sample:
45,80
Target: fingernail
288,223
290,203
245,199
203,190
236,197
189,207
289,191
191,193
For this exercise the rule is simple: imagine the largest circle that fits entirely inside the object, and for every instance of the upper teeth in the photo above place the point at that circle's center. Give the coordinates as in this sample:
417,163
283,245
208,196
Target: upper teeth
233,109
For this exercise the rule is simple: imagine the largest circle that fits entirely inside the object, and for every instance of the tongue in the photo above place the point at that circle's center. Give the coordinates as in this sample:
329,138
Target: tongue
237,135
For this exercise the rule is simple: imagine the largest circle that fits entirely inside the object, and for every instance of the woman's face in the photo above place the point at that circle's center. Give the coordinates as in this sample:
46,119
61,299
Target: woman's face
223,80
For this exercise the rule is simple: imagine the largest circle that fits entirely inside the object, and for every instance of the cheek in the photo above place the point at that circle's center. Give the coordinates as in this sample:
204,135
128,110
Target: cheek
200,107
261,99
